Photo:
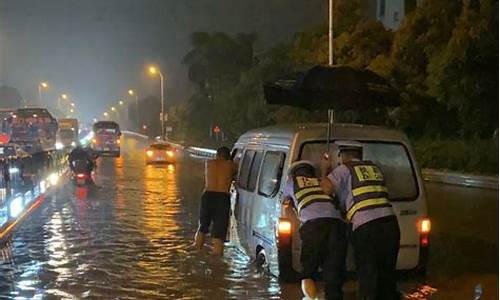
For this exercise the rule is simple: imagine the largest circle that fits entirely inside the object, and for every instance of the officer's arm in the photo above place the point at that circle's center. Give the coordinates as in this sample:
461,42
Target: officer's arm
327,186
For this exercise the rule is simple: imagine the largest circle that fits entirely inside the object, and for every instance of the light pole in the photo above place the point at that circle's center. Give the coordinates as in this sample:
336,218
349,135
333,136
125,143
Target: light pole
42,85
153,71
61,97
131,92
330,32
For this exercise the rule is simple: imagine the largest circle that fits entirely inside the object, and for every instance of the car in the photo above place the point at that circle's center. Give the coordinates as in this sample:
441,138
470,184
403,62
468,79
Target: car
161,153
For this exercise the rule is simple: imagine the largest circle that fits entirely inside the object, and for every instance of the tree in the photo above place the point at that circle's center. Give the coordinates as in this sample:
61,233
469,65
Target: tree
465,75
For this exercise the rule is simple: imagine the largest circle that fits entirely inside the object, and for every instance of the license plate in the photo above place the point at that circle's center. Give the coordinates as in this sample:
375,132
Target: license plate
80,181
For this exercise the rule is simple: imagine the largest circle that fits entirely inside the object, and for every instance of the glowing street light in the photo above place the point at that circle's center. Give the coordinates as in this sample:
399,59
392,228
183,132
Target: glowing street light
120,102
113,108
95,120
153,71
132,93
105,114
64,96
71,110
42,85
72,104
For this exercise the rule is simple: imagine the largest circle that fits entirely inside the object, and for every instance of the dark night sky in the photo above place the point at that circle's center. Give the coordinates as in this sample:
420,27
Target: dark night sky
96,49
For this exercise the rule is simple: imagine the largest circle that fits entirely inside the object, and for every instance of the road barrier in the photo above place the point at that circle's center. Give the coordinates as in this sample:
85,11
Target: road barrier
478,181
142,136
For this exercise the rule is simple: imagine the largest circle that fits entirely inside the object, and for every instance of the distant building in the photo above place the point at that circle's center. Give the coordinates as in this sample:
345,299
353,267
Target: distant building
390,12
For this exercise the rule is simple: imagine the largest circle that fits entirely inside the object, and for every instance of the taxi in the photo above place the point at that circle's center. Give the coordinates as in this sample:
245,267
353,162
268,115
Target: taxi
160,152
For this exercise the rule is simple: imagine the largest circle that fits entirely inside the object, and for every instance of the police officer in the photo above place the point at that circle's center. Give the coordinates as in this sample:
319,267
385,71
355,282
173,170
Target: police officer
360,188
322,230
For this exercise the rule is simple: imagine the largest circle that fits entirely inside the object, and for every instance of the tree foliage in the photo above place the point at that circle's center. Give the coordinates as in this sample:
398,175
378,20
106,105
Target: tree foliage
443,59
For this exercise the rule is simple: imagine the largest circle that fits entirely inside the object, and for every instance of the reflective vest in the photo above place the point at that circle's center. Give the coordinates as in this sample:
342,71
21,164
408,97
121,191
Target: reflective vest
307,191
368,187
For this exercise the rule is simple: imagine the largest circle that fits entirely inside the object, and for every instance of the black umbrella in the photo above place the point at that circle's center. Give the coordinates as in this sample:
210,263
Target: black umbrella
339,87
329,87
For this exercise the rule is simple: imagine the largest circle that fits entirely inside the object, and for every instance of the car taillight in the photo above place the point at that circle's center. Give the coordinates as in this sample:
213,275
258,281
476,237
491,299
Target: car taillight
284,227
80,175
424,228
149,153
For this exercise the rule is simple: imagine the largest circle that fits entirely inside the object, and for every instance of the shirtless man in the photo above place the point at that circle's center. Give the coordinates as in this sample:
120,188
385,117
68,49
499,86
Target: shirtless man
215,202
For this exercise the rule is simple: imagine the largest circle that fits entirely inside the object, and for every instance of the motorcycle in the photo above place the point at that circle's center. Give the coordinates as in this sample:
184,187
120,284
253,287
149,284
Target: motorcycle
82,172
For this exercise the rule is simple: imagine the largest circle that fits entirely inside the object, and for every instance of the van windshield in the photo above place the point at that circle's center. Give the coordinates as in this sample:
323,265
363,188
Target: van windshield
392,158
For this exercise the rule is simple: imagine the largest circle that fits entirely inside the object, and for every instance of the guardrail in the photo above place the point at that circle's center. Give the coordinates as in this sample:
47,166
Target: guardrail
202,152
142,136
479,181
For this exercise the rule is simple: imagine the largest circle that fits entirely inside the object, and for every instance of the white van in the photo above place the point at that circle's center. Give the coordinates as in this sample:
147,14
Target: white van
269,231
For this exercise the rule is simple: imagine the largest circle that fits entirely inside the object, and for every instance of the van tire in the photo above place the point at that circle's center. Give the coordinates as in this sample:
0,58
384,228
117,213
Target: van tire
260,257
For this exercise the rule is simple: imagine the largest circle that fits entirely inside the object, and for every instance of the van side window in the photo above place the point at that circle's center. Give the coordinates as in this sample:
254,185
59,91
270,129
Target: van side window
270,175
254,171
245,168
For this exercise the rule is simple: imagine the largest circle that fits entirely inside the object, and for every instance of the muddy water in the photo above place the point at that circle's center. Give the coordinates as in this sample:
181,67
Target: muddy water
130,238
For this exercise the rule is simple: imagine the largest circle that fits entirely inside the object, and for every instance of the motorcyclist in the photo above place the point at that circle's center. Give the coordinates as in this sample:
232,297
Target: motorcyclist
79,154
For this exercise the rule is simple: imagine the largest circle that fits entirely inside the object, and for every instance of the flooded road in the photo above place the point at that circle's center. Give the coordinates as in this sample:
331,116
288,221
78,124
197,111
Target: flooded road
130,238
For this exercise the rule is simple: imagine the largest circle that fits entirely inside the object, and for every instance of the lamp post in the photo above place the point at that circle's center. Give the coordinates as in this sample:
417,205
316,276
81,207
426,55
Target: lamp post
42,85
153,71
133,93
330,32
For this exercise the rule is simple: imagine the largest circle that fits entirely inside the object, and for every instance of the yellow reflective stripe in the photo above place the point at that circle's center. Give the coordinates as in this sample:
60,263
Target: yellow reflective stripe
310,198
301,193
365,203
368,189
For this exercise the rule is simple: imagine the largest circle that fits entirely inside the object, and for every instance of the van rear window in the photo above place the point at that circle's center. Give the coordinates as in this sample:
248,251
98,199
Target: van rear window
392,158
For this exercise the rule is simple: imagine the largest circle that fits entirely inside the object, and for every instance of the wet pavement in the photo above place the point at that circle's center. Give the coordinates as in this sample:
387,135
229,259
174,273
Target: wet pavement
130,237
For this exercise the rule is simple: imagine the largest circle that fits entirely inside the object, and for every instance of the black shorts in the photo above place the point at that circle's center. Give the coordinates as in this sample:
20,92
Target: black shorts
214,208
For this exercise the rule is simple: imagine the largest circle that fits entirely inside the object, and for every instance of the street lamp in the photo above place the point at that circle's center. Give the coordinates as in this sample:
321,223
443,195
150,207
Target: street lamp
71,110
72,104
153,71
59,102
113,108
120,102
106,114
42,85
132,93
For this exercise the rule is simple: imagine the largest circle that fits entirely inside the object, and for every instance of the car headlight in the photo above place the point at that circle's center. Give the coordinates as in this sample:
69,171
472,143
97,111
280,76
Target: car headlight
170,153
73,144
149,153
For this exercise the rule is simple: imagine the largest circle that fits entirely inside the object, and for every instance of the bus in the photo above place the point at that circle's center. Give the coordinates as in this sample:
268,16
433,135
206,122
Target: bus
35,129
68,132
106,139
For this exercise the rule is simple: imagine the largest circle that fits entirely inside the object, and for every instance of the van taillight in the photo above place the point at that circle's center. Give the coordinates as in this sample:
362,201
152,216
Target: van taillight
284,227
424,228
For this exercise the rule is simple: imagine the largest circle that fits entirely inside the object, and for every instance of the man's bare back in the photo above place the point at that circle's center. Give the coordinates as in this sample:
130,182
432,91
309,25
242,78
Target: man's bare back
219,174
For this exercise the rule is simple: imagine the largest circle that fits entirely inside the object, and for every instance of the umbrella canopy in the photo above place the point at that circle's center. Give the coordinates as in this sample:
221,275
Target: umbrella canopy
337,87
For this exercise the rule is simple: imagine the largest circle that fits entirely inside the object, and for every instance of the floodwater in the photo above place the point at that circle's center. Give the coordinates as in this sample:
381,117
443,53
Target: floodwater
130,237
